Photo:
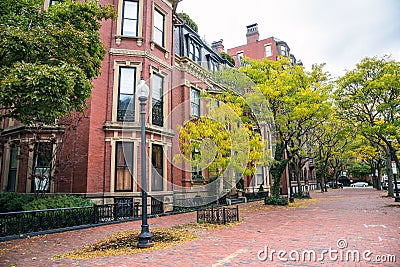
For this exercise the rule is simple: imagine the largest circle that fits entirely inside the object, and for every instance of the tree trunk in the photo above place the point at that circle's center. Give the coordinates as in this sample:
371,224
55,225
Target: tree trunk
277,169
389,172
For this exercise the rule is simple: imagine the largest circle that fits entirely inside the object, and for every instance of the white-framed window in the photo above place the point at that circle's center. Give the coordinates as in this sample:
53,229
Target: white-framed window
12,170
42,166
157,112
240,58
194,102
268,50
124,166
126,94
157,162
130,14
159,28
52,2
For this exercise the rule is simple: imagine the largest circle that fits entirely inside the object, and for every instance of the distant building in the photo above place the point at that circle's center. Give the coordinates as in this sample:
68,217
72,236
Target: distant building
270,47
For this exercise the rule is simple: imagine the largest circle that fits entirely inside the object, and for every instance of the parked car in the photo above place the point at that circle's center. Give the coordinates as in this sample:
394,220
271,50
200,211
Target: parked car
359,184
332,184
384,183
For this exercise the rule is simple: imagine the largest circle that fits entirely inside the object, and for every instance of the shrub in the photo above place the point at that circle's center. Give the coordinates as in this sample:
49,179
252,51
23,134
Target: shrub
11,201
240,184
228,57
186,18
302,195
58,201
276,201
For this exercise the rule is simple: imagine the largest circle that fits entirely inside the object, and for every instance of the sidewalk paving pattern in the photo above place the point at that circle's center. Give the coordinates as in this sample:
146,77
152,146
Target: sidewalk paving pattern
345,221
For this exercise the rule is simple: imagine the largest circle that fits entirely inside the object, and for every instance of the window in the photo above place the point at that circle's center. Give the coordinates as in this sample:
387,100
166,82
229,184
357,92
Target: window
196,171
214,66
123,165
260,175
158,30
268,50
157,168
42,166
283,51
194,103
194,52
126,94
12,170
130,18
52,2
197,57
240,58
157,100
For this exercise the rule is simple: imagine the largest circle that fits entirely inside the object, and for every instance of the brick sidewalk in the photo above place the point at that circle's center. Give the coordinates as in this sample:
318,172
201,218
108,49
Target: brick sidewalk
359,217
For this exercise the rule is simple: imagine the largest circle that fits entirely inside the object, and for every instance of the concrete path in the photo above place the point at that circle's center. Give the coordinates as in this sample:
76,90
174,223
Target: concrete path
343,227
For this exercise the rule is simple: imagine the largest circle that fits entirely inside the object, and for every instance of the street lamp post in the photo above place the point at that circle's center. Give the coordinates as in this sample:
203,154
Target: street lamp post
144,238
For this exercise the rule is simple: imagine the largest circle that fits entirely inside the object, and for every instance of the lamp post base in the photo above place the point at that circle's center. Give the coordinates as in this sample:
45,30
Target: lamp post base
144,238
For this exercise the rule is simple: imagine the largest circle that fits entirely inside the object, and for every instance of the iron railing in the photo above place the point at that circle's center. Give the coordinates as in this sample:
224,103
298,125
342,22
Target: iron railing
218,215
23,222
157,206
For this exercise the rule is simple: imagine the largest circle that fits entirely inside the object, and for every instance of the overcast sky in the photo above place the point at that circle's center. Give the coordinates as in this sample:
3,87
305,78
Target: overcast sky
336,32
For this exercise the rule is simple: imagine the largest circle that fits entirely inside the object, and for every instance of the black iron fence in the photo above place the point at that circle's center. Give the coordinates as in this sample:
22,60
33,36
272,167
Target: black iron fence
255,196
157,206
218,215
17,223
197,202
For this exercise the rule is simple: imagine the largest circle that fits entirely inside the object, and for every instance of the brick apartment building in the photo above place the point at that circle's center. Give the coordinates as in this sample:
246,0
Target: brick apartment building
272,48
147,40
100,153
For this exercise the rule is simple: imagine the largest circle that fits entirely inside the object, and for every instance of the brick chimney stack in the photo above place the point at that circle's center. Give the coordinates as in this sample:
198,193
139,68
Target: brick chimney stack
218,46
252,33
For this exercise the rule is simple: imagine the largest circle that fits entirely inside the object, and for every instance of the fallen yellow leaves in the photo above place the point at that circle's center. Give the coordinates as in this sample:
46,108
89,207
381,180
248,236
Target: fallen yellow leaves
124,243
303,203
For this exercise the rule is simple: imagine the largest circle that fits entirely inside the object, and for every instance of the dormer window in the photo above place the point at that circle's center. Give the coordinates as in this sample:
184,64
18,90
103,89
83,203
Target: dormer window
194,51
284,51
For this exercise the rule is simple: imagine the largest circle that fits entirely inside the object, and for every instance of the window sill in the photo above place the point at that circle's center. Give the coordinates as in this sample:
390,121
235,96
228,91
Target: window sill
154,45
118,39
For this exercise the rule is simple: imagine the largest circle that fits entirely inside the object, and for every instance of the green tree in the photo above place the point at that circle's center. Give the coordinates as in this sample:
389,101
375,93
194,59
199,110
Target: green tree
369,98
298,102
223,141
48,57
330,139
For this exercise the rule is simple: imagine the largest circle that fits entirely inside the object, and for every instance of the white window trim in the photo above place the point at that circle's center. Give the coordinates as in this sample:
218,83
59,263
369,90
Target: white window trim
164,97
113,162
117,65
166,26
119,35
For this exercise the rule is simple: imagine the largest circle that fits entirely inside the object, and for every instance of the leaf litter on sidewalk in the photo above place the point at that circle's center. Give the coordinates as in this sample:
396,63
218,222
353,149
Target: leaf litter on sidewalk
125,243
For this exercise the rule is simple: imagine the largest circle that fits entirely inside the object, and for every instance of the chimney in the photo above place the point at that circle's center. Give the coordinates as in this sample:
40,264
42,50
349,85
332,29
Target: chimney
217,46
252,33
